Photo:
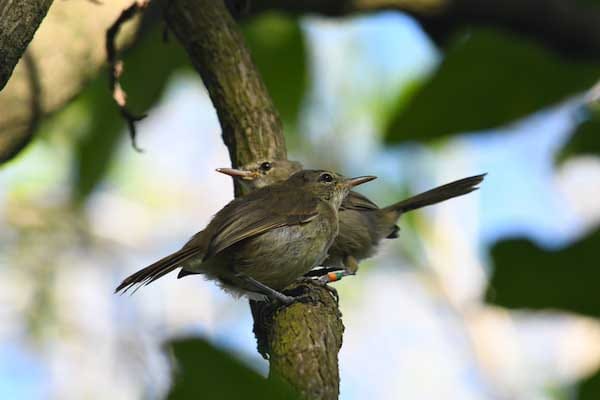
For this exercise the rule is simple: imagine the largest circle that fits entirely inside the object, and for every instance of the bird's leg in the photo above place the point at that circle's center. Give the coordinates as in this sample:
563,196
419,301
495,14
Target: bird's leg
351,264
266,290
319,272
350,268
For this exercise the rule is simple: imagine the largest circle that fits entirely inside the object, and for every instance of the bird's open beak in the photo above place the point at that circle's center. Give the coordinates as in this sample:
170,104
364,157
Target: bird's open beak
359,180
238,173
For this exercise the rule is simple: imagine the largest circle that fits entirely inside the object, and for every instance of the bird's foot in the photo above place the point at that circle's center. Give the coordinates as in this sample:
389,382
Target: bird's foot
282,298
324,284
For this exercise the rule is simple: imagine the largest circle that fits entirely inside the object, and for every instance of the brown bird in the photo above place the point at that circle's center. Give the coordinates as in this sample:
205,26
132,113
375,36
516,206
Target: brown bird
362,223
260,243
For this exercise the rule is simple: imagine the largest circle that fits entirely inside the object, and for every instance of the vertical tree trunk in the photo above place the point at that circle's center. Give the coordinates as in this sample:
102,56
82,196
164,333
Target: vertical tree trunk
302,340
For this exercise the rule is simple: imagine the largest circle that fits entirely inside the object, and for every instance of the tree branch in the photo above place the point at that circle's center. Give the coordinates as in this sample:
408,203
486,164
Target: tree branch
251,127
567,26
303,339
302,342
18,22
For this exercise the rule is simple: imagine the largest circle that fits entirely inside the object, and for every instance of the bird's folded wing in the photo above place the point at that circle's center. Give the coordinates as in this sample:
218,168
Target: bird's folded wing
253,215
356,201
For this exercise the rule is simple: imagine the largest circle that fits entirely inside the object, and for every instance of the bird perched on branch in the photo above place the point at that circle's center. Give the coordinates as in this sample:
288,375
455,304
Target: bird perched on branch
362,224
260,243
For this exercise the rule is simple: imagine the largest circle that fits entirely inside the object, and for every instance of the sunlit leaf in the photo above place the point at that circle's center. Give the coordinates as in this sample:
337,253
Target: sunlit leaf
526,276
278,49
488,78
204,372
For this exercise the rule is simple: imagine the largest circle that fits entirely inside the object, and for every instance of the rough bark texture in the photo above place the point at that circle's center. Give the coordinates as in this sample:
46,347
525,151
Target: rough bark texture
303,340
567,26
19,19
252,129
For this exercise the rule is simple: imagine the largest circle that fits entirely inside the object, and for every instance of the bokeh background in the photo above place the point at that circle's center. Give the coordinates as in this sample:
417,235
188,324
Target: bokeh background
490,296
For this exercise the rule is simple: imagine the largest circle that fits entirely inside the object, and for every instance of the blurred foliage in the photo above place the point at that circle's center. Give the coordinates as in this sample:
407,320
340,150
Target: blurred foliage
204,372
586,138
590,2
589,389
488,78
148,66
278,49
526,276
102,131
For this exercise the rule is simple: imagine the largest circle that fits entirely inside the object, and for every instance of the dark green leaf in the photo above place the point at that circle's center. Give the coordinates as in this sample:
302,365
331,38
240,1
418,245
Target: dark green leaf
148,67
102,130
526,276
585,140
487,79
204,372
589,389
278,49
593,3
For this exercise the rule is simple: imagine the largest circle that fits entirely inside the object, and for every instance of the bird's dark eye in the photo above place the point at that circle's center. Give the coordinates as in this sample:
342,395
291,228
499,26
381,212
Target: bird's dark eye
265,166
326,178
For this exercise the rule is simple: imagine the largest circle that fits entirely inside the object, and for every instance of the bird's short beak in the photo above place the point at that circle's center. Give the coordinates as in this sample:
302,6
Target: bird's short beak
359,180
238,173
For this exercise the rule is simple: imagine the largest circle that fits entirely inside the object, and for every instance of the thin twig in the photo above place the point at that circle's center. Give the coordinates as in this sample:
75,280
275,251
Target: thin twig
116,68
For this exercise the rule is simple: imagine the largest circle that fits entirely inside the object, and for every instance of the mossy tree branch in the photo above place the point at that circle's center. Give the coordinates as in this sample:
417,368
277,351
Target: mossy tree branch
18,22
302,340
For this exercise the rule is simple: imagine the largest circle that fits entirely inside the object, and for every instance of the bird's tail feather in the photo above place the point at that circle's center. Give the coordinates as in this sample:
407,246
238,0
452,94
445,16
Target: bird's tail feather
157,270
436,195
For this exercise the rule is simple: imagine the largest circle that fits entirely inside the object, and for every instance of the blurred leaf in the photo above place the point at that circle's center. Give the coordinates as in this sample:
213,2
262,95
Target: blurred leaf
589,389
589,2
148,67
103,128
526,276
585,140
204,372
278,49
488,78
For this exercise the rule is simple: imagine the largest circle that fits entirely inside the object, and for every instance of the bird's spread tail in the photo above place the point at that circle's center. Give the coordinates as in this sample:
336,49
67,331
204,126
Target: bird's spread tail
157,270
436,195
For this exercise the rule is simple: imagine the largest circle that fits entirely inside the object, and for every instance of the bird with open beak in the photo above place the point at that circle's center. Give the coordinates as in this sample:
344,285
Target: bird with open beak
260,243
362,223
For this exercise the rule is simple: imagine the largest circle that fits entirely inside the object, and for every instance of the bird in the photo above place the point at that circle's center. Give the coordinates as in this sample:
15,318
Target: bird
260,243
362,224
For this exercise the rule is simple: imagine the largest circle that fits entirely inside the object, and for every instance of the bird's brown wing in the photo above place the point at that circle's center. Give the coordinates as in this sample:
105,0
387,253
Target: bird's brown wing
260,212
356,201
